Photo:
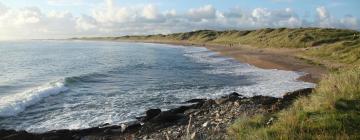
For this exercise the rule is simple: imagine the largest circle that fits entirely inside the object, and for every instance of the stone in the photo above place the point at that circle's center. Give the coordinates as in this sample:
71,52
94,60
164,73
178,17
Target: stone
167,116
205,124
195,100
221,101
151,113
295,94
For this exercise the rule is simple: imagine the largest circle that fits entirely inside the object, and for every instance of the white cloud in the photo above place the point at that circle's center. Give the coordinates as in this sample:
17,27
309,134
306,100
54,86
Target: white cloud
205,12
110,19
322,12
350,22
65,2
149,12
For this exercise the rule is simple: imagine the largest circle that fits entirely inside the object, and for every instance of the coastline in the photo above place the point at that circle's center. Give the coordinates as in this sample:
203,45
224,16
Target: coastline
266,58
211,109
204,119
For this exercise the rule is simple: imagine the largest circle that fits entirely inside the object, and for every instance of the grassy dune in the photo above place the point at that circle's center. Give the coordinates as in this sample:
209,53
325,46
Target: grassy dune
332,45
332,111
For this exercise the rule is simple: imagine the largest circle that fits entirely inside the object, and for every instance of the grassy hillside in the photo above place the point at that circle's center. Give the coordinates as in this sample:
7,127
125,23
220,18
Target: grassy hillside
281,37
332,45
332,111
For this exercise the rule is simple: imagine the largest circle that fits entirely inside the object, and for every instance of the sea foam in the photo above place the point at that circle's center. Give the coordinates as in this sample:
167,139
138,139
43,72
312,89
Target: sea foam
13,104
268,82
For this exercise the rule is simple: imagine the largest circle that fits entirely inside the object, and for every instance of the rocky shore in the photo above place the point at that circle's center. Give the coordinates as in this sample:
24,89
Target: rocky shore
203,119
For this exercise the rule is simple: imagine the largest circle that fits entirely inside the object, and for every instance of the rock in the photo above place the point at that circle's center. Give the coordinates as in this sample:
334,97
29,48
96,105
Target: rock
236,104
195,100
295,94
4,133
191,111
264,100
132,127
193,135
208,103
205,124
270,121
180,109
221,101
123,127
104,125
167,116
151,113
234,94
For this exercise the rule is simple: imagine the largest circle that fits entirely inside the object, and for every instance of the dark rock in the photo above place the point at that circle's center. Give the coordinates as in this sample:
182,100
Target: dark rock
235,94
4,133
191,111
167,116
132,127
151,113
104,125
180,109
195,100
208,103
264,100
295,94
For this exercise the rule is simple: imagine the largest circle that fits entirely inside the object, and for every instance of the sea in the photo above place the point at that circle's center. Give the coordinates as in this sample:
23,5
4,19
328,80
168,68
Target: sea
67,84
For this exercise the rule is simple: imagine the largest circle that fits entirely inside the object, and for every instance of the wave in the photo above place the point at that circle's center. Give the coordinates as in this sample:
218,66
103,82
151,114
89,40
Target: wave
13,104
267,82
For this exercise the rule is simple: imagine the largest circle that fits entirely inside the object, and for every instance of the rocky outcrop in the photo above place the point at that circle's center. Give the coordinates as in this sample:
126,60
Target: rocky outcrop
202,119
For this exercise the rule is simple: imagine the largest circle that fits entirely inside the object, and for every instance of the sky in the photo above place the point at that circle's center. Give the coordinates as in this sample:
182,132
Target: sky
54,19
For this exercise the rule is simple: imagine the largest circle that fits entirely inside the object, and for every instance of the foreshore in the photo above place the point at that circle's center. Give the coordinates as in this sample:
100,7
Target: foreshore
266,58
204,119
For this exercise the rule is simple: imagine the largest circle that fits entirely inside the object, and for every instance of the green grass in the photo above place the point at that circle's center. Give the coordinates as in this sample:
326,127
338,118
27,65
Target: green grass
281,37
331,112
343,52
336,46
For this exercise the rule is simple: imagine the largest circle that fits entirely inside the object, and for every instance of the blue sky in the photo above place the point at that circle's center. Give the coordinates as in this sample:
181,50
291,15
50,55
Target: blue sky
68,18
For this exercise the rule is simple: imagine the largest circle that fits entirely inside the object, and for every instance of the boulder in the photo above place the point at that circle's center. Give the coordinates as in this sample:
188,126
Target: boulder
295,94
151,113
168,117
195,100
264,100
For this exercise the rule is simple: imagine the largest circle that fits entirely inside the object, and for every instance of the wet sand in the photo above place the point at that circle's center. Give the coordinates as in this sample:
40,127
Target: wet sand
266,58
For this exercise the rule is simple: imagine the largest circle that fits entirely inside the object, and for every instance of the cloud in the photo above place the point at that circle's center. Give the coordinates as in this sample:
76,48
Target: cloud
275,18
109,19
150,12
202,13
65,2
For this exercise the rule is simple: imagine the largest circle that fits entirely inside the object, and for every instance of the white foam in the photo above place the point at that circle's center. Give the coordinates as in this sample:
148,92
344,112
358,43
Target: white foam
268,82
13,104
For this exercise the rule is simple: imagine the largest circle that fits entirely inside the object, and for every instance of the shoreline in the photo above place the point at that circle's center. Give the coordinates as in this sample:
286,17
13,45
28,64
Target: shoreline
265,58
271,58
204,119
151,125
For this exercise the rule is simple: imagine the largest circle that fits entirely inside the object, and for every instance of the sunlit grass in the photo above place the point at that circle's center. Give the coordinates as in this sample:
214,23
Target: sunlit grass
331,112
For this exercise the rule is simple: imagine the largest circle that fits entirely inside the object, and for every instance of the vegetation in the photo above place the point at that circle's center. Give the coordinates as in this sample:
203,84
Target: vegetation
332,111
336,46
282,37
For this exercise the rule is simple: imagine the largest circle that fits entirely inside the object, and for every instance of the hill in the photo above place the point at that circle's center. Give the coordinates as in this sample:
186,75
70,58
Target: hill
330,112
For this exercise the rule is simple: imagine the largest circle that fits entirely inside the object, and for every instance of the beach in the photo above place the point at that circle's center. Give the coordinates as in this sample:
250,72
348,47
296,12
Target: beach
207,116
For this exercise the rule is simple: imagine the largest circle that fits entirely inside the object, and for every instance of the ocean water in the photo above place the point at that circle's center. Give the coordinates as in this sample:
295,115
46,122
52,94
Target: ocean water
49,85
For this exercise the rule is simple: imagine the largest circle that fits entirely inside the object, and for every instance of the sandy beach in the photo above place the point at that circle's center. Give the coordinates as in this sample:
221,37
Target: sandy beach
266,58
